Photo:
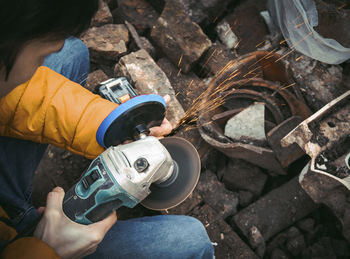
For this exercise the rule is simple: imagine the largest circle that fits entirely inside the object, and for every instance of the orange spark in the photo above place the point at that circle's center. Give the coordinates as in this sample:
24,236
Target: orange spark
285,55
282,41
180,60
298,58
260,43
285,87
228,30
178,73
342,6
207,61
189,85
299,25
235,47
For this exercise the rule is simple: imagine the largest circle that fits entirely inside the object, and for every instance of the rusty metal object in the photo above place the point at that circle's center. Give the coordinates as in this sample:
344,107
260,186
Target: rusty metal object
270,104
285,155
325,137
259,76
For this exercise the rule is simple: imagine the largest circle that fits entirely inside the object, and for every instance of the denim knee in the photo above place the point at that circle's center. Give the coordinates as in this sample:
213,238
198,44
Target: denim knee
72,61
202,246
163,236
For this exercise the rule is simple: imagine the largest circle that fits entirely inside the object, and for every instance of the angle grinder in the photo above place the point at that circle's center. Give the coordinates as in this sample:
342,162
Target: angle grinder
159,174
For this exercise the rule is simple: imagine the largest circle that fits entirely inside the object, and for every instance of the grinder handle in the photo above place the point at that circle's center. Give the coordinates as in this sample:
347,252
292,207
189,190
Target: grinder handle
93,197
76,208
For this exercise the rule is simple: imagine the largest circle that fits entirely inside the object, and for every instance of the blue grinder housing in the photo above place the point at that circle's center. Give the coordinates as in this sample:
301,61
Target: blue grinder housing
120,124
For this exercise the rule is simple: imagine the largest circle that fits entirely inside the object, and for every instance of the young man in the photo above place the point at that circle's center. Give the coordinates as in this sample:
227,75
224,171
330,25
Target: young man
39,104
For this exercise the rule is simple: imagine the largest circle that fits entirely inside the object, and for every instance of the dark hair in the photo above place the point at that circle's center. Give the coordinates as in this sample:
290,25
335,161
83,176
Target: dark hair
24,20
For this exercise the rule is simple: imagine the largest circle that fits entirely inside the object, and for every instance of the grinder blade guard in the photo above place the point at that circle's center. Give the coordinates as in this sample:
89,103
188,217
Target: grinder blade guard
184,178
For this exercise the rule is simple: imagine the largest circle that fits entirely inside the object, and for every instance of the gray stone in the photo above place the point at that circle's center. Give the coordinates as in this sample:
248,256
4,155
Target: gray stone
257,241
215,60
188,87
245,198
248,25
278,254
296,245
229,244
214,193
205,12
103,15
138,12
248,124
341,248
322,249
106,43
241,175
148,78
277,241
306,225
94,78
141,42
187,206
275,211
182,40
320,83
226,35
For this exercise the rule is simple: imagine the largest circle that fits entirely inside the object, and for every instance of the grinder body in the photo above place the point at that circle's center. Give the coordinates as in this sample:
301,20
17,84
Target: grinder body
158,173
120,176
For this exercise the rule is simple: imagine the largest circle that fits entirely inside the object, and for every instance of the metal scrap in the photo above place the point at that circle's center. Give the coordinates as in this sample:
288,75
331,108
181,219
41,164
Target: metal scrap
256,77
325,137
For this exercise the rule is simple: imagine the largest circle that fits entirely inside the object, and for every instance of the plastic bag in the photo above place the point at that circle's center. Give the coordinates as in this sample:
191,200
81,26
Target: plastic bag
296,20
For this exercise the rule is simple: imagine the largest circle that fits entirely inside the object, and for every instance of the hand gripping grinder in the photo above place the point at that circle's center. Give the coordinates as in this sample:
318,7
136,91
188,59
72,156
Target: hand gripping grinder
159,174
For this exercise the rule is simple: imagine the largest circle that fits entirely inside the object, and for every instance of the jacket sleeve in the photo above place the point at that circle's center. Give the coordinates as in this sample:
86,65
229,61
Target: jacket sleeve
29,247
50,108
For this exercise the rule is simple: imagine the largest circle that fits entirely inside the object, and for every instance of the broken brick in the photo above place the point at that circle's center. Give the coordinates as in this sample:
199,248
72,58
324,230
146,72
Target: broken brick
276,210
137,12
95,78
182,40
229,244
106,43
148,78
223,201
103,15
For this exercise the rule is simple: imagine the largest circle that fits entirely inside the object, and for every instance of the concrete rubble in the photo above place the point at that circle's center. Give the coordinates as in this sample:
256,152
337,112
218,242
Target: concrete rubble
106,43
139,13
221,200
229,244
214,60
258,196
275,211
241,175
147,77
182,40
103,15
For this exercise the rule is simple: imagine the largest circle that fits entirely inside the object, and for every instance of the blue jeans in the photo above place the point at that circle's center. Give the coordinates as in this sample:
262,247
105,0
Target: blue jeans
148,237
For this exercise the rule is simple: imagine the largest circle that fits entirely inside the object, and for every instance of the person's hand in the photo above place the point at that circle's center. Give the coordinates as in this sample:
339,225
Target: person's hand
165,128
69,239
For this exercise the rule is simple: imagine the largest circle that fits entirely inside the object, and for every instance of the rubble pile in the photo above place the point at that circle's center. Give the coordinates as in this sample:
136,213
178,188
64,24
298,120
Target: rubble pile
271,125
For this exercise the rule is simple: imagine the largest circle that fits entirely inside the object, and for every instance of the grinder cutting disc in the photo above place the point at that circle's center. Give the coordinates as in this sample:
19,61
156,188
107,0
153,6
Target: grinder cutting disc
184,179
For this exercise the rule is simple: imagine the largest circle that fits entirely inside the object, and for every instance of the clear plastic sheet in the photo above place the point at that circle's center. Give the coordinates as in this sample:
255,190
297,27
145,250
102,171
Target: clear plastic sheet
296,20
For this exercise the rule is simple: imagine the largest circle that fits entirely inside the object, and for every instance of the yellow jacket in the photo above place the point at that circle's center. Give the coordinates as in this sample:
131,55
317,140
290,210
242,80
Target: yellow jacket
49,108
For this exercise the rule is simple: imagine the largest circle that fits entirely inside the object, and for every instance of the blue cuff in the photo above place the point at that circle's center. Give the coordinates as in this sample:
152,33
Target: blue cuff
124,107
